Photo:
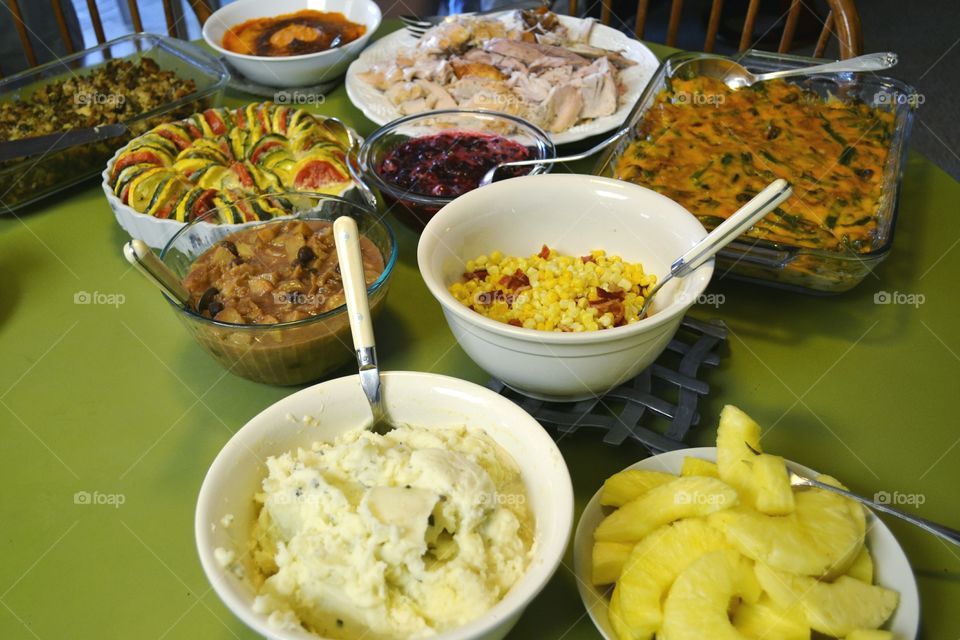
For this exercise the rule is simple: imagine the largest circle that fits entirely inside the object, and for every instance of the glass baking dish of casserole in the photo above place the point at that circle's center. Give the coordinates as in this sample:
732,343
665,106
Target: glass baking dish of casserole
139,80
840,139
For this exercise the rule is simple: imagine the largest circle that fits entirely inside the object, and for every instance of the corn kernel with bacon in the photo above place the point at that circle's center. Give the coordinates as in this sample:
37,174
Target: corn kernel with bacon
552,292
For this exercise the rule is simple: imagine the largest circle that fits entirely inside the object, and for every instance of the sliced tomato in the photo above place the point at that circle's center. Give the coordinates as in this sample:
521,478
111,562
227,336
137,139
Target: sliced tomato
136,157
203,203
194,130
262,147
240,118
280,119
164,211
264,115
179,141
215,121
243,173
316,174
248,213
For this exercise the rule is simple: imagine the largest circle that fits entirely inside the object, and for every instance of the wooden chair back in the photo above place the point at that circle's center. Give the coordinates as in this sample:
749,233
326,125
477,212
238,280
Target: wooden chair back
200,8
842,21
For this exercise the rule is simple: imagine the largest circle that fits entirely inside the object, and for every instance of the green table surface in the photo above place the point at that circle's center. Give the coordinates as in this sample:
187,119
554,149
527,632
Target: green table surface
114,399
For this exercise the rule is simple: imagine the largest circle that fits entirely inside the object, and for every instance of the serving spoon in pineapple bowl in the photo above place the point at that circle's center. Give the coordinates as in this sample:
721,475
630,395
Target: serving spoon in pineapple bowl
939,530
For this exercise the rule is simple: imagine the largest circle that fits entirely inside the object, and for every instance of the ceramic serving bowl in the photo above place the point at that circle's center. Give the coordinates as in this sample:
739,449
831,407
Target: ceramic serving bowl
573,214
289,352
892,569
339,405
157,231
292,71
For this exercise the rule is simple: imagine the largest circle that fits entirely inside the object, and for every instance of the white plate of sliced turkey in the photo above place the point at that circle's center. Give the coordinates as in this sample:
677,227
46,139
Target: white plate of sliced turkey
571,77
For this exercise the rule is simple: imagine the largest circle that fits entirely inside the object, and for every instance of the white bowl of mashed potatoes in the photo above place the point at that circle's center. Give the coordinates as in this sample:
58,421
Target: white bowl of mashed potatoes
308,526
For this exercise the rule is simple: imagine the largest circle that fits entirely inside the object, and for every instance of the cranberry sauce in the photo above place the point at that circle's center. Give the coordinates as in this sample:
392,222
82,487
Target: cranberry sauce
451,163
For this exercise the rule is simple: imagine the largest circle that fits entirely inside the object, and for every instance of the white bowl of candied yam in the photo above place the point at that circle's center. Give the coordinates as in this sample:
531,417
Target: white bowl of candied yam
716,543
542,279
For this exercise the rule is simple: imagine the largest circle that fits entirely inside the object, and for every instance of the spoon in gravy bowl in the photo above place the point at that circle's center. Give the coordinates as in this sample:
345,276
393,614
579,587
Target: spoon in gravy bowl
146,262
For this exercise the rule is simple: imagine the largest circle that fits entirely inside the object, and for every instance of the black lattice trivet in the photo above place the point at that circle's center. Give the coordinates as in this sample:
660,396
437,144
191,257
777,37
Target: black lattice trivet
668,389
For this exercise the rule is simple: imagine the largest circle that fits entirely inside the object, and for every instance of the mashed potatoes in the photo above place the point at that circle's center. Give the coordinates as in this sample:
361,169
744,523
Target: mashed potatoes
397,536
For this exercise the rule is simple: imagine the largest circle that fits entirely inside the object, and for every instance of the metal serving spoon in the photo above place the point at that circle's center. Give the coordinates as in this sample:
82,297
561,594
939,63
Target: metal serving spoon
488,176
728,230
948,534
146,262
346,237
735,76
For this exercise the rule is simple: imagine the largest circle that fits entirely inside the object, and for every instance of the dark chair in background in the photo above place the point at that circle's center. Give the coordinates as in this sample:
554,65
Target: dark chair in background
63,13
842,22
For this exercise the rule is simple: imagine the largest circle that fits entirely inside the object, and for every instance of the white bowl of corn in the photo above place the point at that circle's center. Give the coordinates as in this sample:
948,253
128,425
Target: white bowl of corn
541,279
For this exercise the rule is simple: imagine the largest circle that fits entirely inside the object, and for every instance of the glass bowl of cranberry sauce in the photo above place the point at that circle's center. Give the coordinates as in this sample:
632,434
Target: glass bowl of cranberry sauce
421,162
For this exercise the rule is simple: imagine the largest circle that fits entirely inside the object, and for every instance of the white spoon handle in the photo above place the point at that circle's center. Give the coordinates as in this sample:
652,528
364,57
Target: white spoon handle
728,230
868,62
346,237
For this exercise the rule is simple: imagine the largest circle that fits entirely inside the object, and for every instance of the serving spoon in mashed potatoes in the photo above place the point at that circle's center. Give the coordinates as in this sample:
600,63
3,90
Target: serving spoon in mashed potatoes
346,237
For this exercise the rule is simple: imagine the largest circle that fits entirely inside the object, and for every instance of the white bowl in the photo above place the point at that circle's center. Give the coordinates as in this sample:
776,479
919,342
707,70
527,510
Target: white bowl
891,567
157,232
292,71
339,405
572,214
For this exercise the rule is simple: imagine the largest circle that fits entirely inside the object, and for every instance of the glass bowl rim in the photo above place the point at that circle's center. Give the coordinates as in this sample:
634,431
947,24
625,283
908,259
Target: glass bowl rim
389,262
368,172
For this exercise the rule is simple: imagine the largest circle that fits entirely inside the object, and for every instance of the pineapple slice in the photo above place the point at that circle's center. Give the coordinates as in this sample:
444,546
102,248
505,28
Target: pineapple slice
681,498
822,537
696,606
772,484
766,621
862,567
698,467
616,618
869,634
608,560
834,608
621,488
738,444
655,563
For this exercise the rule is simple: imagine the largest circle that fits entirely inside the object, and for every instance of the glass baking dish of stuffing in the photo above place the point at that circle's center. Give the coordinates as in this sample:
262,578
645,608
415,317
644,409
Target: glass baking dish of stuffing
138,81
840,139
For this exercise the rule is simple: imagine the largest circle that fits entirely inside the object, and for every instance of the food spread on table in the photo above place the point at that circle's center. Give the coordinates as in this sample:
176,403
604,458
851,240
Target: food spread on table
528,64
292,34
422,529
280,272
220,157
548,291
710,148
402,535
730,550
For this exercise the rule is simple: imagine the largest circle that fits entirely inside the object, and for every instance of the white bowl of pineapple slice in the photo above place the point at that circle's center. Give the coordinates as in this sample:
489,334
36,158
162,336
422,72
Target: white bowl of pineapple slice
714,543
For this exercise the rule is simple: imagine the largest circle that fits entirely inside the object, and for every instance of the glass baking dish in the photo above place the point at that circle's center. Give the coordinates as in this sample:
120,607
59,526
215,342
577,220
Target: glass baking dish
809,270
27,179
